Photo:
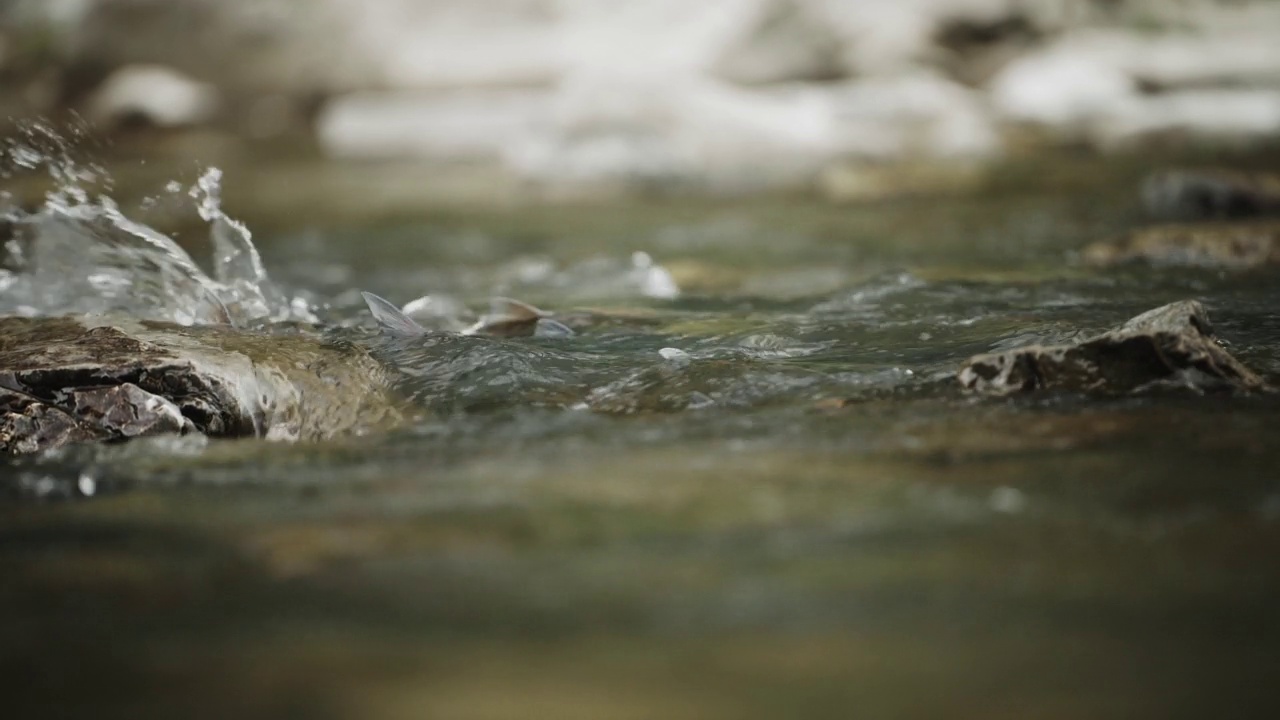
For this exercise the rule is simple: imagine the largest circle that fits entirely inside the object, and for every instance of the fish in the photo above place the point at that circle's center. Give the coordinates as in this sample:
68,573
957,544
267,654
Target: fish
506,318
390,320
512,318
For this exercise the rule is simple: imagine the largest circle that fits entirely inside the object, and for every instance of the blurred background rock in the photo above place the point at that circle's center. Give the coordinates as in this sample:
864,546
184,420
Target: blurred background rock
725,96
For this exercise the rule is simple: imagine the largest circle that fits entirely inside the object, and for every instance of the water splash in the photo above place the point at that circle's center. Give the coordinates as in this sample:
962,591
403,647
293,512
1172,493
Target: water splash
79,253
92,259
237,265
39,146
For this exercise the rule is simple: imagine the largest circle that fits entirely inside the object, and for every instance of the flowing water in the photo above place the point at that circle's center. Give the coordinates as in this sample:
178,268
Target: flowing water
746,487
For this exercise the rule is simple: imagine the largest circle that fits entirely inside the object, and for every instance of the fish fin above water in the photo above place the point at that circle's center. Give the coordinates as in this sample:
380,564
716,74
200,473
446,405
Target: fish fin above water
503,327
512,318
504,309
390,320
443,309
549,328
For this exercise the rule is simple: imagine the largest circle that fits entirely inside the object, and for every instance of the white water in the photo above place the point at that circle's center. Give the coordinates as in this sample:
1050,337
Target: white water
79,253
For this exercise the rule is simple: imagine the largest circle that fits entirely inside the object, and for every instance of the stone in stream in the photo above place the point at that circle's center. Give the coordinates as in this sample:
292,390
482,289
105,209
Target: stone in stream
1240,246
1172,344
66,380
1211,194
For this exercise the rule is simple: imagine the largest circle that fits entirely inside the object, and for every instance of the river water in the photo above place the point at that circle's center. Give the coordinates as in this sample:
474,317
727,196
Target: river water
748,486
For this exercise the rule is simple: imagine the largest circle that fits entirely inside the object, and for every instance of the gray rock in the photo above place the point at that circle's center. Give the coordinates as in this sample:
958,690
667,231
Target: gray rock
64,380
1211,194
28,425
1170,345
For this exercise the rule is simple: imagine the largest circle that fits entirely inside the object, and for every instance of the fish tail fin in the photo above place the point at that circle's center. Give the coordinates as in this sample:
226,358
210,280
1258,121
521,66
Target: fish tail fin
390,320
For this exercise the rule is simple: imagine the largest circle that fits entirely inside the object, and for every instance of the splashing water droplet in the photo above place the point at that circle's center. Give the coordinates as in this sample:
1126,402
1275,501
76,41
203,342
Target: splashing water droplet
81,255
235,258
236,261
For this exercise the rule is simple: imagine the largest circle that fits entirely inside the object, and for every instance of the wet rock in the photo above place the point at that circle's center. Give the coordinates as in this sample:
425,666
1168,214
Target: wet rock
1211,194
64,381
28,425
102,413
1234,246
1170,345
129,411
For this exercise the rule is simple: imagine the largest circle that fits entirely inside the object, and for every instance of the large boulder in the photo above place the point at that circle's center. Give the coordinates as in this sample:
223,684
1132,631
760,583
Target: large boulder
1172,345
66,380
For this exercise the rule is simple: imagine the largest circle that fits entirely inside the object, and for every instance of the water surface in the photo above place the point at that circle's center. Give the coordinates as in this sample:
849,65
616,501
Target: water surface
799,514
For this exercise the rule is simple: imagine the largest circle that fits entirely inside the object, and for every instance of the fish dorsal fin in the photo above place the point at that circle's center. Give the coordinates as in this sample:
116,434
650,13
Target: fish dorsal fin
504,309
549,328
390,320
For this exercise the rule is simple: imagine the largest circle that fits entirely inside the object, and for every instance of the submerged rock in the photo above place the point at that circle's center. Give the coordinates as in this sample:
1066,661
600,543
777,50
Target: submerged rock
65,380
1211,194
1173,344
1224,245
